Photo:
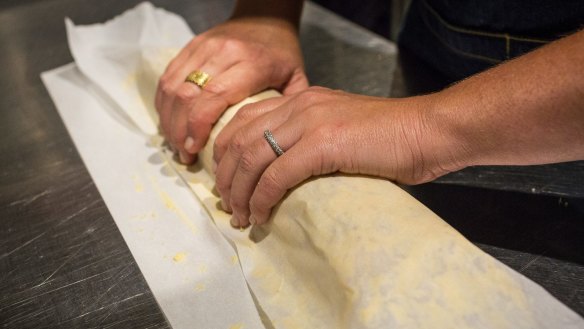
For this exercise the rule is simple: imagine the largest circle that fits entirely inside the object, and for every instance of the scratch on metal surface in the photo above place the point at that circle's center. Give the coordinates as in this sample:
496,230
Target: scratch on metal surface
103,307
58,268
109,312
18,316
26,315
30,200
21,246
6,275
121,277
66,219
118,323
48,292
524,267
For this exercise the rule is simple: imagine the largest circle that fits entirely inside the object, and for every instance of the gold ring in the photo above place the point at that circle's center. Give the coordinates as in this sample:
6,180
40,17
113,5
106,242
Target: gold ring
199,78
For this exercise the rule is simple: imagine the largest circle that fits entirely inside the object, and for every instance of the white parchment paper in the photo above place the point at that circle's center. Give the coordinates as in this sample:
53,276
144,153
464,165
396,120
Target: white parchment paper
192,270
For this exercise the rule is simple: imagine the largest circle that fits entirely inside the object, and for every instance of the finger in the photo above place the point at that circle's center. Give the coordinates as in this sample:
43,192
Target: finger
206,60
185,54
180,57
173,79
251,165
310,156
176,134
244,116
186,97
229,88
244,137
298,82
178,61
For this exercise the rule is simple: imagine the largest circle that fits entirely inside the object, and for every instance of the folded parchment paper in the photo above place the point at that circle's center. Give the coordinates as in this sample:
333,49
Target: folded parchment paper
339,252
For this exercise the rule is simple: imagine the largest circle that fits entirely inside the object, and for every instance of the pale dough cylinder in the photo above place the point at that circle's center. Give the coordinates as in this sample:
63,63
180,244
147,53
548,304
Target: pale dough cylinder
359,252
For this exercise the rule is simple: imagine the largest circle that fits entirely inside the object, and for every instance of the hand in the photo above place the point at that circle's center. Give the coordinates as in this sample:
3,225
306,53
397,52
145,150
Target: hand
324,131
243,56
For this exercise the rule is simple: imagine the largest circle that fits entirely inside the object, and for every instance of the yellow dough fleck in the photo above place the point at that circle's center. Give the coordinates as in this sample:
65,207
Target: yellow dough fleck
179,257
138,186
200,287
171,205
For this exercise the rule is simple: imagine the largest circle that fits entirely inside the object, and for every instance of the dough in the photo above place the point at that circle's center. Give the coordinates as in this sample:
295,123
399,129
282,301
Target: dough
359,252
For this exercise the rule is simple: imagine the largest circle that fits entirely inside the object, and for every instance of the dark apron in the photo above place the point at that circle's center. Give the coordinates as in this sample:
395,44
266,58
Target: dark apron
462,37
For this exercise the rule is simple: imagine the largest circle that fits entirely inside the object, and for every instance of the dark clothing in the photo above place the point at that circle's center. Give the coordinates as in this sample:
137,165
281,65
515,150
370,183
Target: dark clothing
462,37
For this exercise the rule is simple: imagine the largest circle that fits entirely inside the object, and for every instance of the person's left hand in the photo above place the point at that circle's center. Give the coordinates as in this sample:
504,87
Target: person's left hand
244,56
323,131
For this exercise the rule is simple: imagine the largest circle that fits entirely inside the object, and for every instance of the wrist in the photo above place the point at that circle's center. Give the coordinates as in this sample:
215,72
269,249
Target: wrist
445,145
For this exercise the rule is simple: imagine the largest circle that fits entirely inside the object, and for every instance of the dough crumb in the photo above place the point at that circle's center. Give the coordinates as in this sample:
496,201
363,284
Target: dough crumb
200,287
138,186
179,257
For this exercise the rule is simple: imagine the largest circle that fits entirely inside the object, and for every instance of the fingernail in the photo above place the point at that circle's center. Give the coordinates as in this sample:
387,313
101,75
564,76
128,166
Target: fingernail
223,205
189,143
234,222
183,158
252,220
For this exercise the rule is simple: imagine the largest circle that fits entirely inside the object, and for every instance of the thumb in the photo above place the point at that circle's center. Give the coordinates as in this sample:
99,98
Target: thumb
298,82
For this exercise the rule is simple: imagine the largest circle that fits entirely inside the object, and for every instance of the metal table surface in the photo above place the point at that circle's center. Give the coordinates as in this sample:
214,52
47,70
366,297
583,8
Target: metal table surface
63,262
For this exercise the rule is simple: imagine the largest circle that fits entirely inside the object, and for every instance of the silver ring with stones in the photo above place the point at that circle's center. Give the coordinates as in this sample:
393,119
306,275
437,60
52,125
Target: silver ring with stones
272,141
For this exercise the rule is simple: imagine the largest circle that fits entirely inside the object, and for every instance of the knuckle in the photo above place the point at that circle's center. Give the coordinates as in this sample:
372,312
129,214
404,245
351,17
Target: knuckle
310,95
222,186
233,45
238,204
248,162
212,42
219,147
237,144
315,90
245,112
216,87
198,128
185,94
177,137
254,206
270,183
197,119
166,85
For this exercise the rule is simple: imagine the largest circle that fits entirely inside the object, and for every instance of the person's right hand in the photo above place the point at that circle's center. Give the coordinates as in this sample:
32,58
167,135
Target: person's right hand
243,56
323,131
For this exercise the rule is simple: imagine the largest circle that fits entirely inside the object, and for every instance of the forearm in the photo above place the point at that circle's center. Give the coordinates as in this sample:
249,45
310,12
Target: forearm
527,111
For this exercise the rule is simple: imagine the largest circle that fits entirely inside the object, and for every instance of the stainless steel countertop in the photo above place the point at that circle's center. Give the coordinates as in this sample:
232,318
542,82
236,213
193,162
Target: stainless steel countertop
63,262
